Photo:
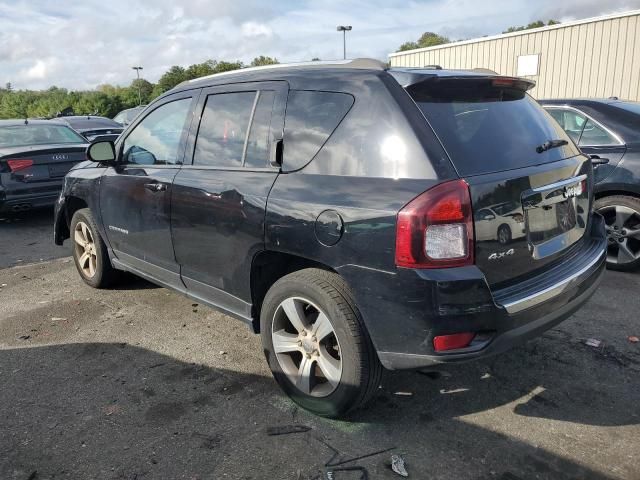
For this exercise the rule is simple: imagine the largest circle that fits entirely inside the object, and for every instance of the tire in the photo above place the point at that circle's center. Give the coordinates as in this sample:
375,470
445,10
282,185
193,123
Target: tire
504,234
622,218
95,267
312,293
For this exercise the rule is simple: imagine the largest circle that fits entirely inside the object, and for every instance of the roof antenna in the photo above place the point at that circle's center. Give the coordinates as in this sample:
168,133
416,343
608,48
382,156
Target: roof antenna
26,121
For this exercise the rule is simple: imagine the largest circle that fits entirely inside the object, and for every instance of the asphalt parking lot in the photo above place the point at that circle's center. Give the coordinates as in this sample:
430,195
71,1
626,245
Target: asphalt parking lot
140,383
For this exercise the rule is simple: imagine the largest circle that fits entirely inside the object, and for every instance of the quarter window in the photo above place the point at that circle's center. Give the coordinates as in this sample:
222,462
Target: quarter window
571,121
156,140
593,136
311,119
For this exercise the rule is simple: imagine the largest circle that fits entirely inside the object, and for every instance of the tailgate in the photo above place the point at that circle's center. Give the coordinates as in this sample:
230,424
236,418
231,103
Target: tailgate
529,184
525,220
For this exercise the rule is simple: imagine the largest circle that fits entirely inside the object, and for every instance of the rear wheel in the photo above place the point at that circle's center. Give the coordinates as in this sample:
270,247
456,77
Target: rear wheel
316,344
89,251
504,234
622,222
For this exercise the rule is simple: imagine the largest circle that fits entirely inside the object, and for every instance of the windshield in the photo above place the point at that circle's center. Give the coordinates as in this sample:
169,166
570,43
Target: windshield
22,135
127,116
487,128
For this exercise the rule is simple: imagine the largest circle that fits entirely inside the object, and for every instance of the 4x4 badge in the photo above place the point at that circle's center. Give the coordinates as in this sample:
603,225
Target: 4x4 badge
497,255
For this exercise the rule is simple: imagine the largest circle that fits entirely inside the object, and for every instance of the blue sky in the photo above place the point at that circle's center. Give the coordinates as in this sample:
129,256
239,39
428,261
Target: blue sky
81,44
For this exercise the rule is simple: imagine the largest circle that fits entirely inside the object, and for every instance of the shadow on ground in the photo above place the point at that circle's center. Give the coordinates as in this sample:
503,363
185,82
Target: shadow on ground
116,411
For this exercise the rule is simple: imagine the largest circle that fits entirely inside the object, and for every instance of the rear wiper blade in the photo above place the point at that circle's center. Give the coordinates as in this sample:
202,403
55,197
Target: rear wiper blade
550,144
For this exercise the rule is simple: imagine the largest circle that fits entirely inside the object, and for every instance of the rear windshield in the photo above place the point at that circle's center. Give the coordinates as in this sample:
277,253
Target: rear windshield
489,129
22,135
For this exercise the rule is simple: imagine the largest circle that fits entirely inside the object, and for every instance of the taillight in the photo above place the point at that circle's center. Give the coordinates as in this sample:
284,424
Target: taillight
16,164
435,229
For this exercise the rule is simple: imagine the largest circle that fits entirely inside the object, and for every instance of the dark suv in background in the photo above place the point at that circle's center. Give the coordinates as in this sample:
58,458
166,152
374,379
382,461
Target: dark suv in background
609,131
334,208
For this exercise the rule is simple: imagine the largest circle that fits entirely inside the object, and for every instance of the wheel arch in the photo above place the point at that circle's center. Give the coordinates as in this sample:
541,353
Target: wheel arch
611,191
267,268
72,204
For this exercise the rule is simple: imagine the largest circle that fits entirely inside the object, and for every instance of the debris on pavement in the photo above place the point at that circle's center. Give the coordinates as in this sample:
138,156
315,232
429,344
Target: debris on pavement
287,429
593,342
24,337
222,352
58,319
364,475
397,465
633,339
403,394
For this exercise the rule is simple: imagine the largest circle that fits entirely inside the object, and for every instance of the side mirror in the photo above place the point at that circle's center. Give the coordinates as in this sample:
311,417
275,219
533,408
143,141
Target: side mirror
489,217
103,152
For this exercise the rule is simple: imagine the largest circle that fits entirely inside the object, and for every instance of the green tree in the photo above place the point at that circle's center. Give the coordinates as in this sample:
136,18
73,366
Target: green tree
198,70
536,24
170,79
427,39
263,60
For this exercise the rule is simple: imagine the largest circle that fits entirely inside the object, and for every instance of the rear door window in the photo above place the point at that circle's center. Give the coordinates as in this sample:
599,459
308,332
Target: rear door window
487,128
259,139
311,118
235,130
223,129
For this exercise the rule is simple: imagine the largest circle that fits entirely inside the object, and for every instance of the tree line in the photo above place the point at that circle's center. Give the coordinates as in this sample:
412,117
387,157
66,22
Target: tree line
431,39
107,100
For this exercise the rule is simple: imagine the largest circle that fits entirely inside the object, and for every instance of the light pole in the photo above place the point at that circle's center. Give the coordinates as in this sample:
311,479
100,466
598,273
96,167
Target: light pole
137,69
344,29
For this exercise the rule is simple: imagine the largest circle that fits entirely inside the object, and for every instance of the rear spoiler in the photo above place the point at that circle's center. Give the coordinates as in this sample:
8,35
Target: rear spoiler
414,80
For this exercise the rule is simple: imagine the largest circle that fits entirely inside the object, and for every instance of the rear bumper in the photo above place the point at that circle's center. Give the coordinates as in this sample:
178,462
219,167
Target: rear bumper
406,310
38,195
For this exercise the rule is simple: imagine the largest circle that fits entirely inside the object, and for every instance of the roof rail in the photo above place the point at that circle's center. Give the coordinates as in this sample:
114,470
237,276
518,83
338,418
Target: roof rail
359,63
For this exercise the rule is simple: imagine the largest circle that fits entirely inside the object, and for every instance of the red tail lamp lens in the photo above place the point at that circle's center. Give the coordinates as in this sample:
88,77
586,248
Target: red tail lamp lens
435,229
16,164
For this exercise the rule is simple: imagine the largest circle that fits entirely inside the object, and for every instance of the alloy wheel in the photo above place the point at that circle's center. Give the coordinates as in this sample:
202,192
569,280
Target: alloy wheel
623,233
306,347
85,249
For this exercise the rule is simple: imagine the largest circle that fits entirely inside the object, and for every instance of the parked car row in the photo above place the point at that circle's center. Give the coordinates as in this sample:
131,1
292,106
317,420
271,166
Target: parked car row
358,217
35,155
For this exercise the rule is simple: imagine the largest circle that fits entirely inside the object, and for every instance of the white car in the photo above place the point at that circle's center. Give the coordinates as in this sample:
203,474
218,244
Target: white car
503,222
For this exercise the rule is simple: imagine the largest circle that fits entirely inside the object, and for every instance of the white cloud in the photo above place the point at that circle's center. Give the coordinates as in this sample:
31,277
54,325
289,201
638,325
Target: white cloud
38,71
255,29
83,44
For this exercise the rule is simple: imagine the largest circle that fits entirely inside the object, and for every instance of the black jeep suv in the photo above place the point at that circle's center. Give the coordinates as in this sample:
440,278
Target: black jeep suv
337,209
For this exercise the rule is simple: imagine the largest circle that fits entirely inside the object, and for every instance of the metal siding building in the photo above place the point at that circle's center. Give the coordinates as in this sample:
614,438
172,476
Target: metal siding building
596,57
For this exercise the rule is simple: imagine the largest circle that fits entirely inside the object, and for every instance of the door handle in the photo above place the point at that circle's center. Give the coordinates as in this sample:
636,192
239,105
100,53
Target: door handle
598,160
156,187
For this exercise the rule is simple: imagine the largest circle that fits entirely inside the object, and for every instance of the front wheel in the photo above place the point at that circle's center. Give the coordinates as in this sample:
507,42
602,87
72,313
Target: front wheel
504,234
89,251
622,222
316,344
